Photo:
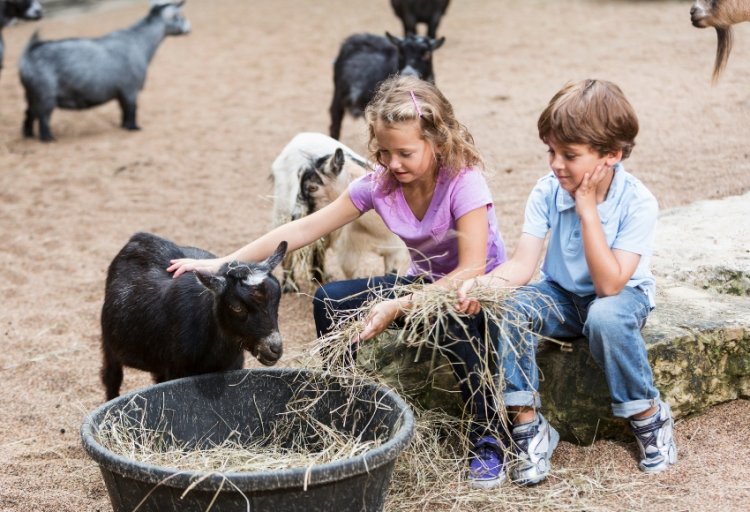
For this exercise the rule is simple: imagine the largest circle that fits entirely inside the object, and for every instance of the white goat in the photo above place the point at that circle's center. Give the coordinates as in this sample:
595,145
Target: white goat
720,14
310,172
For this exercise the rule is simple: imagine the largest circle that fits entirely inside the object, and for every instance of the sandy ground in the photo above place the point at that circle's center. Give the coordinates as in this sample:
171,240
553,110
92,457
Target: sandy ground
218,106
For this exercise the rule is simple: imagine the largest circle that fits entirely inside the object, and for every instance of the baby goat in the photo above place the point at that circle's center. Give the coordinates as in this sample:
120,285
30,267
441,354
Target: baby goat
83,73
310,172
365,60
197,323
323,183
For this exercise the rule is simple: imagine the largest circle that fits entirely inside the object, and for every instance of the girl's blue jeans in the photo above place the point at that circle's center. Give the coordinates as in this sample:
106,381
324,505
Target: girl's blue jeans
464,343
612,325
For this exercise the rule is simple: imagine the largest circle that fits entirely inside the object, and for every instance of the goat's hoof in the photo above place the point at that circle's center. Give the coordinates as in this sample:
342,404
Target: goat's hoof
131,127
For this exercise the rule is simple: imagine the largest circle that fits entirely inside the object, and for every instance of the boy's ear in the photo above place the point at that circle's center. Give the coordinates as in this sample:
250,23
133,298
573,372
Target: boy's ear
614,157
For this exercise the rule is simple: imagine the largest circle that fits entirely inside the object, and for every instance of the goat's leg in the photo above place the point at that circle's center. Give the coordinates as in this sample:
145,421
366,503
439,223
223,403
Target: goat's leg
111,373
337,115
317,263
45,134
128,107
432,26
28,123
410,24
288,282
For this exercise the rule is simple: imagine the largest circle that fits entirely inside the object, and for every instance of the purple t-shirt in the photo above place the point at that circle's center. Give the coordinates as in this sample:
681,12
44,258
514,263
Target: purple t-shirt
432,241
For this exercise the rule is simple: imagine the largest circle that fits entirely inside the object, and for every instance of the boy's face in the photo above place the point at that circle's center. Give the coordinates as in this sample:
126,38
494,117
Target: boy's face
570,162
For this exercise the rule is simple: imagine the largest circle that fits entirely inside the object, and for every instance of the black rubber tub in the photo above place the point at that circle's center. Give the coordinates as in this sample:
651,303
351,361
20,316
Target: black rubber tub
208,408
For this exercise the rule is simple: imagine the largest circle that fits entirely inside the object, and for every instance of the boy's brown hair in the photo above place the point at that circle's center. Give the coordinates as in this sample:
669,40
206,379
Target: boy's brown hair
592,112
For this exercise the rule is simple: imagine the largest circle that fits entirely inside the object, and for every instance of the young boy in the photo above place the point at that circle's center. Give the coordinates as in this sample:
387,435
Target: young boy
600,221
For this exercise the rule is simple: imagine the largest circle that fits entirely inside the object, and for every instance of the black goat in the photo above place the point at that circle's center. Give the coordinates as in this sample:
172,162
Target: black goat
83,73
365,60
412,12
17,9
197,323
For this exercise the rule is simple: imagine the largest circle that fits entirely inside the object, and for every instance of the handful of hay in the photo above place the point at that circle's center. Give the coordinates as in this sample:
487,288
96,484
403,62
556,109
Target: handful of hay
426,321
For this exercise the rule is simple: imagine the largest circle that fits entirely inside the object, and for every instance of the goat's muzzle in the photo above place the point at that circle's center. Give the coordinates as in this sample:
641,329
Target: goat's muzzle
269,350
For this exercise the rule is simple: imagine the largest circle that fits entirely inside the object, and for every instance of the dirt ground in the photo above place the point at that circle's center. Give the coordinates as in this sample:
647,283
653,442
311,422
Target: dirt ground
220,103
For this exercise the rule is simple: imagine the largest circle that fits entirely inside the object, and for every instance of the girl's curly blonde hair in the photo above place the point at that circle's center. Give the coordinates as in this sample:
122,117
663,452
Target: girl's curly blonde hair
401,99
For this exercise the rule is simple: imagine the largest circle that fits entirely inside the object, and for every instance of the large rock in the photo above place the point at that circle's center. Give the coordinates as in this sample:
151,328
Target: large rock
698,337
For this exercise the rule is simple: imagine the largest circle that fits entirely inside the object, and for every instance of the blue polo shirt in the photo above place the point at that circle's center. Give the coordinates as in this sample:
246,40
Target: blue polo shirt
628,215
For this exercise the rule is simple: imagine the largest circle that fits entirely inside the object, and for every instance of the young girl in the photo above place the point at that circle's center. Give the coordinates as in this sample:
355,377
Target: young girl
429,190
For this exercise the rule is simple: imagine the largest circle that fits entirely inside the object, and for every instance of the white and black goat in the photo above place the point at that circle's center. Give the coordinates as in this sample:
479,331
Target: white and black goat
11,10
365,60
197,323
411,12
368,234
87,72
310,172
720,14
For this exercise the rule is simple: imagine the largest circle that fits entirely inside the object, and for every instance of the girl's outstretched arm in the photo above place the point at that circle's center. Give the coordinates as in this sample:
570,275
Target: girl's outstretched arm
298,233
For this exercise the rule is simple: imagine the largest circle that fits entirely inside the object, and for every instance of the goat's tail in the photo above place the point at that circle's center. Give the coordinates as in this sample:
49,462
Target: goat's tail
723,48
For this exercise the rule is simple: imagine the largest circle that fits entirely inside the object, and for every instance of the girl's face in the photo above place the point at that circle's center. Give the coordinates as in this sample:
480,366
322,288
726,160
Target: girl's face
408,157
570,162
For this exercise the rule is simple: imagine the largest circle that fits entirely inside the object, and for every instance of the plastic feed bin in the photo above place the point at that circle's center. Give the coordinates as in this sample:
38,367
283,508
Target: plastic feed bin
211,406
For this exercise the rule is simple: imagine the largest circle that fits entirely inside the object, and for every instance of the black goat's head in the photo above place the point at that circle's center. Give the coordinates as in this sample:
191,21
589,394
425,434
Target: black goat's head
247,304
415,54
22,9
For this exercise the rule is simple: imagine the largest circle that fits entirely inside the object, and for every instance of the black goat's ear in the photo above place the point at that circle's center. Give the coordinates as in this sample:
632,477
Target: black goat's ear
395,40
277,256
437,43
217,284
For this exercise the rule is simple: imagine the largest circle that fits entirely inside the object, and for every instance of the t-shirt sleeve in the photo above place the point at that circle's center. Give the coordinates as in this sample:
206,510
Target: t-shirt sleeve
361,190
471,192
638,226
537,216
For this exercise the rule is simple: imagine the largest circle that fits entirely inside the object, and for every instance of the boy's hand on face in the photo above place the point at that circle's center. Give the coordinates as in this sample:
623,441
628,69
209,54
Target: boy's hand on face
585,194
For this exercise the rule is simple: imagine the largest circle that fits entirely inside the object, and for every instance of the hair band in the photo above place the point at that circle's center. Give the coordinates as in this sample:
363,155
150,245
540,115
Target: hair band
416,105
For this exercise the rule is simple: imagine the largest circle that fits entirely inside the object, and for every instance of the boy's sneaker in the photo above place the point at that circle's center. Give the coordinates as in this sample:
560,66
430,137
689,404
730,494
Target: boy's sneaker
533,444
486,469
655,439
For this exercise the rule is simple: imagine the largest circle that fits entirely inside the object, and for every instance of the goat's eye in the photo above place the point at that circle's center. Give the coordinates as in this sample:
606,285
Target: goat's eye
312,188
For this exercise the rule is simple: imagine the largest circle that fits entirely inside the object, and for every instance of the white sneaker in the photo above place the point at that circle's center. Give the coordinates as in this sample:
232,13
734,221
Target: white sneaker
533,444
655,439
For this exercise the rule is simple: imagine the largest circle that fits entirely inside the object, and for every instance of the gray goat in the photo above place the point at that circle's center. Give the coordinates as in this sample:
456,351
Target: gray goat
83,73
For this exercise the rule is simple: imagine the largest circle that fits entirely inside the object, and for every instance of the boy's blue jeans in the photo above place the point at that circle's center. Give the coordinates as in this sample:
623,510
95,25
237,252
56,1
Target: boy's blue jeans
464,343
612,325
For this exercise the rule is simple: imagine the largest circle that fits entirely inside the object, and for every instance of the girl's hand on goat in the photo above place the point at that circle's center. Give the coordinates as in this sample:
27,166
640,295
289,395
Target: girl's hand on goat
380,317
182,265
467,304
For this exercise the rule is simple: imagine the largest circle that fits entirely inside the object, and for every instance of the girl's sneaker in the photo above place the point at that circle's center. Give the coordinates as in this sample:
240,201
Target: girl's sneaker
486,470
655,439
533,444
